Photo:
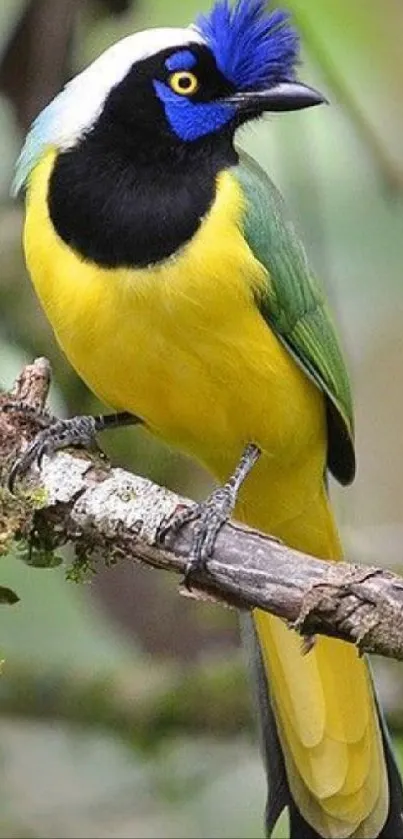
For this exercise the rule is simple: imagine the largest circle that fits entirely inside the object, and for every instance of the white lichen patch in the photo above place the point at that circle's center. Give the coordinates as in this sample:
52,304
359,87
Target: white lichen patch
63,477
128,500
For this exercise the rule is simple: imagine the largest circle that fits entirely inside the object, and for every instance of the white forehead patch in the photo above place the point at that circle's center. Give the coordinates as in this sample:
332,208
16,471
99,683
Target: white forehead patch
77,107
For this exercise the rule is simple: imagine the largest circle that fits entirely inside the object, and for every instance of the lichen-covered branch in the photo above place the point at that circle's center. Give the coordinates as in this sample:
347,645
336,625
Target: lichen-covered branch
110,514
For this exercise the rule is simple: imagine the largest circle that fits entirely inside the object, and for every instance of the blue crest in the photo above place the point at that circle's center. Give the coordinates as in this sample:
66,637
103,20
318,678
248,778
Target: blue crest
253,48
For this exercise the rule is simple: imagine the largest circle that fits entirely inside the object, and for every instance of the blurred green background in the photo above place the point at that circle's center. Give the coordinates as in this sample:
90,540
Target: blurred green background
125,709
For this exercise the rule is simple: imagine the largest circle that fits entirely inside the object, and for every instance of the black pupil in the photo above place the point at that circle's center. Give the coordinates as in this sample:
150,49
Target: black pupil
185,82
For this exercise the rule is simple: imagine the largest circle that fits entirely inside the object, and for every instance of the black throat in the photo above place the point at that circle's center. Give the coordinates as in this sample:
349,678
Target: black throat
122,200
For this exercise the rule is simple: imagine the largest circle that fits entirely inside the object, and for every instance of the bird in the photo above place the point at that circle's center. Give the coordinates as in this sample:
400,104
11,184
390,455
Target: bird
177,287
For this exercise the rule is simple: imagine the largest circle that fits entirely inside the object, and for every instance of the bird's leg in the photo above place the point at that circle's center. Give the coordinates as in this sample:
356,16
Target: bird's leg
210,516
58,434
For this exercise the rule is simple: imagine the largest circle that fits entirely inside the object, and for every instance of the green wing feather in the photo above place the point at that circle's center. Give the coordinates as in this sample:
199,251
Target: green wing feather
294,306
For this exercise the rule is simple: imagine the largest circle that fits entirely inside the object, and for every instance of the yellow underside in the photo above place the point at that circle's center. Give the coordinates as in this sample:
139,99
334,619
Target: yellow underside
184,347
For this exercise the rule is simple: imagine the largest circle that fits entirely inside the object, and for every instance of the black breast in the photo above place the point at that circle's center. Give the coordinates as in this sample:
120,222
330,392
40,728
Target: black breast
119,211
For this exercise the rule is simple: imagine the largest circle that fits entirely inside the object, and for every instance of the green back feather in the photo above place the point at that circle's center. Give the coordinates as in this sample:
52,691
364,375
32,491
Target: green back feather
294,306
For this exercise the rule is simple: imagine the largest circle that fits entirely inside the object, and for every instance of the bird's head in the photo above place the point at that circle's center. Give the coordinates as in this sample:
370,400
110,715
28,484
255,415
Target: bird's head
180,85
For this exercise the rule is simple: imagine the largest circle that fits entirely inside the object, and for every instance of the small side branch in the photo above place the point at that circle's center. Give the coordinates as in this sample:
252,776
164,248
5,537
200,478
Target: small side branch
112,515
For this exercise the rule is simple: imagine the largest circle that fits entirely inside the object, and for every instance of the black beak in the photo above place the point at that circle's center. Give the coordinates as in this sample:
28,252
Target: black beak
284,96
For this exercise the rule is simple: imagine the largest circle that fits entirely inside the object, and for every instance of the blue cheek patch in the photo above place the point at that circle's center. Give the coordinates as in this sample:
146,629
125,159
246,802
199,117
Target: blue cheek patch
183,60
193,120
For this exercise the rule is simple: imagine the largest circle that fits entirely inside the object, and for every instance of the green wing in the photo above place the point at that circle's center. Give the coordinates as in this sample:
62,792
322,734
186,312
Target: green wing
294,306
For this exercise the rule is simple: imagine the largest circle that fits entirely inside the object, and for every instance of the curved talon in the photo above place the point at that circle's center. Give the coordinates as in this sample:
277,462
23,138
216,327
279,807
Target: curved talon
38,448
35,452
190,569
209,516
13,475
59,434
173,525
42,449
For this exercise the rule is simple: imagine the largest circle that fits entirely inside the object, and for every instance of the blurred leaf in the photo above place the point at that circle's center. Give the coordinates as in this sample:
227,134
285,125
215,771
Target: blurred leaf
10,15
8,597
35,558
358,48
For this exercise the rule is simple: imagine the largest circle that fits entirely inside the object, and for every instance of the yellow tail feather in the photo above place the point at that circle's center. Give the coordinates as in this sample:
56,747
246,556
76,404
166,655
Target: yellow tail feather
325,708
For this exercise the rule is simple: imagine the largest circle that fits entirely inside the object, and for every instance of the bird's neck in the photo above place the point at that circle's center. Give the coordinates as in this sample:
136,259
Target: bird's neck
135,204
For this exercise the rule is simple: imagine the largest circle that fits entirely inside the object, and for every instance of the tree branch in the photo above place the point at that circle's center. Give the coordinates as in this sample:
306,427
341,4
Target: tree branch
111,514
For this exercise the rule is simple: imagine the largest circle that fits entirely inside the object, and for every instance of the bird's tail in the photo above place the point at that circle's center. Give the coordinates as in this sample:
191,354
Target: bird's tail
307,813
326,748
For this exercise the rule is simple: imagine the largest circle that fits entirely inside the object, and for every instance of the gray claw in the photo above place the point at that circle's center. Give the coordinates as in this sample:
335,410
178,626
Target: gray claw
173,525
59,434
208,517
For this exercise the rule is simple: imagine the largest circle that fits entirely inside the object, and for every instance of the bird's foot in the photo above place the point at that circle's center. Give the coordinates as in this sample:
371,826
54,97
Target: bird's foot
209,517
56,434
59,434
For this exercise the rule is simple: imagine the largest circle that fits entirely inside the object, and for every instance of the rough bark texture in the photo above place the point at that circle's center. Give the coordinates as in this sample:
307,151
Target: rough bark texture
113,515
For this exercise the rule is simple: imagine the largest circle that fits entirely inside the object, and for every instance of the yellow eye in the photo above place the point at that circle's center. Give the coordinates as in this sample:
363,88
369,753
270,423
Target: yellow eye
184,83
